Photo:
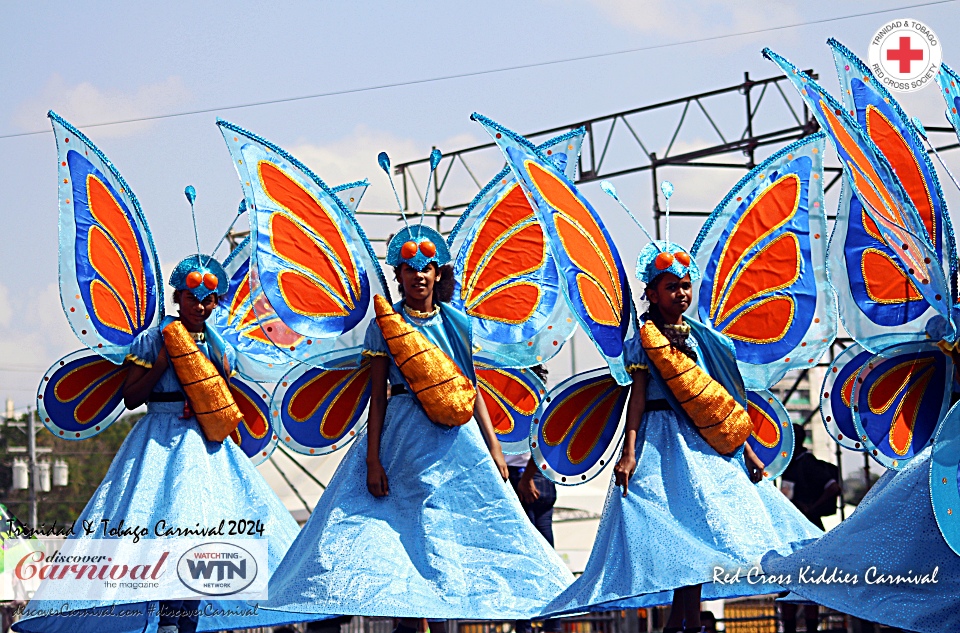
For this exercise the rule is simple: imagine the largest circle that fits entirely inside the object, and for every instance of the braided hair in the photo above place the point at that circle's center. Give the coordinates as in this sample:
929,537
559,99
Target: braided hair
679,338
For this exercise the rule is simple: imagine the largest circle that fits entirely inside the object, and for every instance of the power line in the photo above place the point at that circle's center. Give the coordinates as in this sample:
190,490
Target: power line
479,73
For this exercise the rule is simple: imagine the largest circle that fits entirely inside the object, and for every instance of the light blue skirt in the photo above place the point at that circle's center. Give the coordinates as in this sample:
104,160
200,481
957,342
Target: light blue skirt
893,531
691,516
166,470
449,541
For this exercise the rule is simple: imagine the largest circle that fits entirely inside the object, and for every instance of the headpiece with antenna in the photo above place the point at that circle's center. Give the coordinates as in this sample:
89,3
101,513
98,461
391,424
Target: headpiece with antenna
417,247
659,256
201,274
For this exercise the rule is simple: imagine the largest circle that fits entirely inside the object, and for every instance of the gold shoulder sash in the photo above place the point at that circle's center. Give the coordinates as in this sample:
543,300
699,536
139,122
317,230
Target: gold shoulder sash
445,393
208,393
722,422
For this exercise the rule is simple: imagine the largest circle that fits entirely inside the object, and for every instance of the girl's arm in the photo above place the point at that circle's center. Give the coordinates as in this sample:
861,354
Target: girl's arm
489,435
141,381
754,465
376,475
624,469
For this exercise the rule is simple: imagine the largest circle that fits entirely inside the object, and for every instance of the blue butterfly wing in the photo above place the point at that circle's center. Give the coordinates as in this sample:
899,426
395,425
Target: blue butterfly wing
108,266
762,252
578,427
899,397
592,274
81,395
945,479
254,435
772,436
512,397
836,396
318,410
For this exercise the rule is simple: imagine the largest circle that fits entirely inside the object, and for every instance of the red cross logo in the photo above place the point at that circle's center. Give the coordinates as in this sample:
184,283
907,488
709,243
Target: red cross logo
905,55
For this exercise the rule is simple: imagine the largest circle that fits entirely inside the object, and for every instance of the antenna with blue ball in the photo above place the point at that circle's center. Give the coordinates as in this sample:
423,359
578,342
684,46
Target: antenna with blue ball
191,195
384,161
609,189
435,157
240,211
666,188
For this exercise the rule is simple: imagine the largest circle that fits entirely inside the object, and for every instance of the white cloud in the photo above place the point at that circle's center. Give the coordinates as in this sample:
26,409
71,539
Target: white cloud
84,103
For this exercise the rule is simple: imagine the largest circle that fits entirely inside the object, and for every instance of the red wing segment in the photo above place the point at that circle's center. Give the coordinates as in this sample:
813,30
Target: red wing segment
75,382
288,194
764,322
511,303
774,267
887,388
100,396
771,210
108,213
343,409
109,264
904,163
256,424
765,429
592,426
846,391
291,242
499,415
905,418
885,280
523,252
596,301
520,397
307,297
108,307
239,299
564,417
305,402
582,238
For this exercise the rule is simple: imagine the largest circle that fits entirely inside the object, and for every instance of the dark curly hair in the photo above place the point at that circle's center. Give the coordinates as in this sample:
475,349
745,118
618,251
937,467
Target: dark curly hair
679,340
442,289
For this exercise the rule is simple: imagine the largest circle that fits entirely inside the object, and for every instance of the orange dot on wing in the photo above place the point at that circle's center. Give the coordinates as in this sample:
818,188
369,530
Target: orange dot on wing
683,258
194,279
210,281
664,261
428,248
408,250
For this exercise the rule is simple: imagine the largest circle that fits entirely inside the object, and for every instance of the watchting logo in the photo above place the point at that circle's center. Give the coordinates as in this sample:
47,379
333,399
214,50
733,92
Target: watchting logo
905,55
217,569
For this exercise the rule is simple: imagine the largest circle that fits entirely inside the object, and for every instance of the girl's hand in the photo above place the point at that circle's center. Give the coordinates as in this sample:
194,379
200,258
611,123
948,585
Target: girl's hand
754,465
500,462
624,470
377,479
526,488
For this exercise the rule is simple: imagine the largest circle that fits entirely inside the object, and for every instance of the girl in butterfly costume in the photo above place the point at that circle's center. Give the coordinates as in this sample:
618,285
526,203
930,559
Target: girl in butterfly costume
417,521
897,557
168,469
690,508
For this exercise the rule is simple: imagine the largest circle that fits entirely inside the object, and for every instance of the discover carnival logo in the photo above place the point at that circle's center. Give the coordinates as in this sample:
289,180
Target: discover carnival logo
905,55
217,569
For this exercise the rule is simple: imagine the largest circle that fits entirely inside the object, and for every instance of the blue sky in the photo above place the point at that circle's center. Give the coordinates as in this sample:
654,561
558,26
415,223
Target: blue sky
97,61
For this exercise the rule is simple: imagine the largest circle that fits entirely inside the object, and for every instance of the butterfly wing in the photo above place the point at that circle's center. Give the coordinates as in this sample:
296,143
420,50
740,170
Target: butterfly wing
772,436
945,479
243,326
592,275
578,427
81,395
318,410
254,435
506,277
836,396
512,397
876,185
763,254
108,265
877,297
350,194
900,396
309,256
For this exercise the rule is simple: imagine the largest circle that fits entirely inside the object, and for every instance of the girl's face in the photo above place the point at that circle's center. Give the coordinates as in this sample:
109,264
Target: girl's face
418,284
194,313
672,295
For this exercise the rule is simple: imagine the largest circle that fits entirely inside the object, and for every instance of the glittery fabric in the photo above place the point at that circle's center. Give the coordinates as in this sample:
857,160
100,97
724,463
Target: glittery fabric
445,393
213,404
166,470
689,510
647,269
202,264
721,420
894,532
418,234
